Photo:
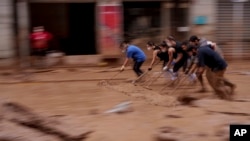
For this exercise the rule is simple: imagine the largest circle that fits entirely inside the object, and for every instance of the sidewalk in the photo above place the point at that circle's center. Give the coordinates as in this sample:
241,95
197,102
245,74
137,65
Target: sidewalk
57,75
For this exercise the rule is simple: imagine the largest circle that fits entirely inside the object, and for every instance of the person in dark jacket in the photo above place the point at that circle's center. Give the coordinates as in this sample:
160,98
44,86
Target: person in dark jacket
207,57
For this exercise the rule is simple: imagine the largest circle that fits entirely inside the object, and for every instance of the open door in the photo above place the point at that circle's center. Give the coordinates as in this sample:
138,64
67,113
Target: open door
72,25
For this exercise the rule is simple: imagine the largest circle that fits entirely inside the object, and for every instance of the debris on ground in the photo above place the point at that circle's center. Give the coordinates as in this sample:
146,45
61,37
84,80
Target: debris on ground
123,107
21,117
167,134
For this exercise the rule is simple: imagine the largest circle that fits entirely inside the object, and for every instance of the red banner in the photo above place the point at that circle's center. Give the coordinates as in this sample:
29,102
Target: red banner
110,28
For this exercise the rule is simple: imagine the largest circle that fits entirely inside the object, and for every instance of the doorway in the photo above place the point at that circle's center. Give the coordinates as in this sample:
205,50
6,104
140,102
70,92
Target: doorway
72,25
81,29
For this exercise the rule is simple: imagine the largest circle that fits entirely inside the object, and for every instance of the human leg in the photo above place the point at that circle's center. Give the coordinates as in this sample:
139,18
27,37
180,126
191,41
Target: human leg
176,68
210,77
137,68
228,83
219,85
200,79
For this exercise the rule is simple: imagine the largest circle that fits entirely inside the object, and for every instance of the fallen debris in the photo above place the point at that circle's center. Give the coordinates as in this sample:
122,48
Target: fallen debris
188,99
123,107
173,116
12,132
167,134
24,117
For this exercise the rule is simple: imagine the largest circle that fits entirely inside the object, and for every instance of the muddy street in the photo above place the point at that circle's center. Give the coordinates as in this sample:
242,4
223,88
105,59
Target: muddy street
73,99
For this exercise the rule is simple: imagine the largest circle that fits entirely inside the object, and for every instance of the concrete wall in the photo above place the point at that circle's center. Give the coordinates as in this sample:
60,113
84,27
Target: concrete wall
203,8
165,19
6,34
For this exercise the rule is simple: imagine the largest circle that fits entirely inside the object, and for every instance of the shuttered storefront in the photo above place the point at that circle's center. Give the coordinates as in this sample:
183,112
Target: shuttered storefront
233,28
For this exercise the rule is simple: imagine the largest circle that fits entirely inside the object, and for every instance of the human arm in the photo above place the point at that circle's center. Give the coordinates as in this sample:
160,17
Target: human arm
215,47
200,63
153,59
191,69
171,57
179,57
192,65
180,54
124,63
212,44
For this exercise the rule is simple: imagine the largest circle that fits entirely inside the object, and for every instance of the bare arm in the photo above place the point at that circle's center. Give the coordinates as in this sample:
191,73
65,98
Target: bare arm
193,68
125,62
171,56
154,58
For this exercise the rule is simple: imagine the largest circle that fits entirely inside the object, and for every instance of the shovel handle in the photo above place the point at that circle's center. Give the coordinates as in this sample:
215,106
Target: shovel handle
115,75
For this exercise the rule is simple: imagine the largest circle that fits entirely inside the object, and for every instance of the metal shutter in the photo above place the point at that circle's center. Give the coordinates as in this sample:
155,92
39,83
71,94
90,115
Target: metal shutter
233,28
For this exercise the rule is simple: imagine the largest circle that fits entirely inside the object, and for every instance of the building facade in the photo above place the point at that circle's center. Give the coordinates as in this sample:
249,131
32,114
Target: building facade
7,34
80,26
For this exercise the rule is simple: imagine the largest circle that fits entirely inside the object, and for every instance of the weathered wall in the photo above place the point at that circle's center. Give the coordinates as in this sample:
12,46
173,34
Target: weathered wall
203,8
6,34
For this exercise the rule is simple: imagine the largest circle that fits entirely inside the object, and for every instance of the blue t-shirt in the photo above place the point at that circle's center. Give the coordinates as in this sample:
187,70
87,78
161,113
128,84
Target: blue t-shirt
208,57
135,53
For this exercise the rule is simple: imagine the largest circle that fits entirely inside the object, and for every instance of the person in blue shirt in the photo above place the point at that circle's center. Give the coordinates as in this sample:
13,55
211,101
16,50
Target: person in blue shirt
135,53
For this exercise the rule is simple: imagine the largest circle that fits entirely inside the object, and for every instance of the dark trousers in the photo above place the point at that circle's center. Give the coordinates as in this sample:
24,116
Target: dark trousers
164,63
137,68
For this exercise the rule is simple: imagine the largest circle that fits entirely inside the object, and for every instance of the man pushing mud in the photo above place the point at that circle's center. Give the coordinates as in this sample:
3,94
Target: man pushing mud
207,57
135,53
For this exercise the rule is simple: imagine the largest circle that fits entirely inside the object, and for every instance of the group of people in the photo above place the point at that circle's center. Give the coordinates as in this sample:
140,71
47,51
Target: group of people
195,56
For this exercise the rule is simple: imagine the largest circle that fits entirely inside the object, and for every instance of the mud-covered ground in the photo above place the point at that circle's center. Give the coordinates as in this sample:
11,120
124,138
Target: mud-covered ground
74,100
